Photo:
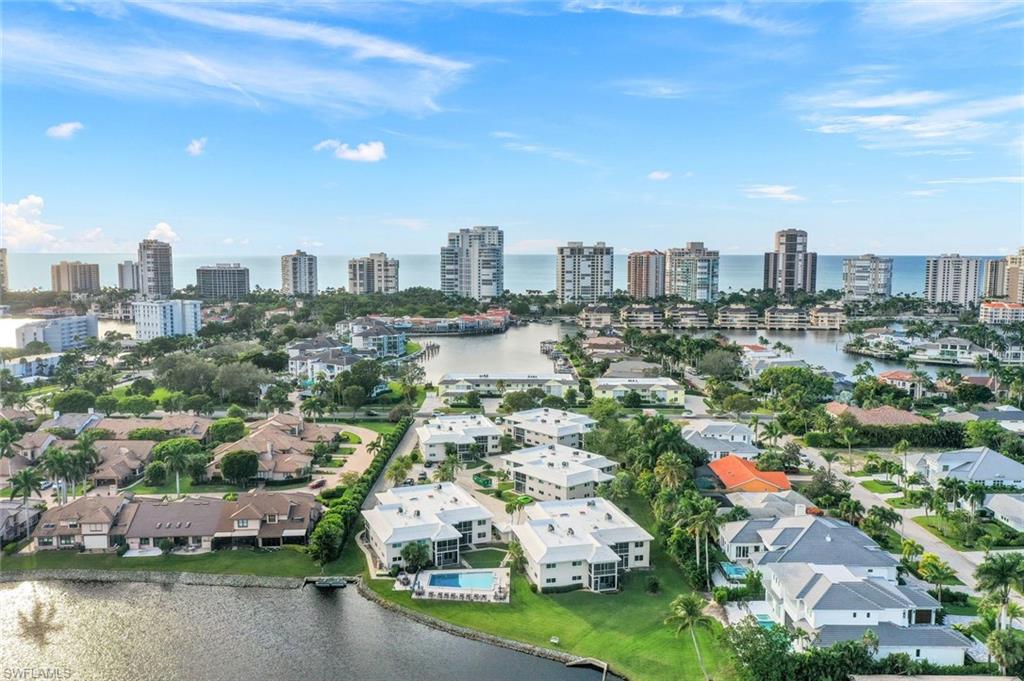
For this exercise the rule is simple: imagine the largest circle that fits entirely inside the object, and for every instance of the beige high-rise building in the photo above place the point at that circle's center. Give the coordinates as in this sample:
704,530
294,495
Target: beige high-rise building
790,267
1015,277
951,278
299,274
375,273
995,279
156,273
75,277
645,274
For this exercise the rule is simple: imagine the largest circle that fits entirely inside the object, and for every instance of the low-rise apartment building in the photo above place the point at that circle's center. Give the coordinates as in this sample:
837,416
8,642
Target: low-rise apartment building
785,318
544,426
443,516
583,543
596,316
999,313
455,386
470,434
642,316
652,390
558,472
826,318
737,317
371,335
688,317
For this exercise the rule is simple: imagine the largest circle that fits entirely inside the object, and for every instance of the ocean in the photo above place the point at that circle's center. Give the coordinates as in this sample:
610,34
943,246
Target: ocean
522,272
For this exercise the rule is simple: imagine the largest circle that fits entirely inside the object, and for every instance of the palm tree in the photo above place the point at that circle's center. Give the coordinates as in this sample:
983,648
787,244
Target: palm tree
754,422
397,471
515,558
974,493
376,445
846,433
514,508
670,471
1006,647
6,444
56,464
687,612
998,575
910,550
704,521
830,458
900,449
25,483
773,431
84,458
851,510
177,460
313,407
937,572
449,468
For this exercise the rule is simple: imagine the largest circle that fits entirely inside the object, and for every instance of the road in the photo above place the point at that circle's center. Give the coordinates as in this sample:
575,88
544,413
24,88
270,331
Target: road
405,447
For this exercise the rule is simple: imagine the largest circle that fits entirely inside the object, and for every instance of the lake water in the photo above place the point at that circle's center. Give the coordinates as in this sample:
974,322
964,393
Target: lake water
108,632
522,272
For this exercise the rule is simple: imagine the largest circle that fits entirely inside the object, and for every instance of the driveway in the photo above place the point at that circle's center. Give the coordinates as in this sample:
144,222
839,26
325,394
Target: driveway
404,448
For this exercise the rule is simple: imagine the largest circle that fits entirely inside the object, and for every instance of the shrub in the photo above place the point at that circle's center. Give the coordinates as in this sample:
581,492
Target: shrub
156,474
166,545
720,594
561,589
653,585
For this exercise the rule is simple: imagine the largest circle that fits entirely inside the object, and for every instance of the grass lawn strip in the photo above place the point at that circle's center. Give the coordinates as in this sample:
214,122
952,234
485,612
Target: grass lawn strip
881,486
484,558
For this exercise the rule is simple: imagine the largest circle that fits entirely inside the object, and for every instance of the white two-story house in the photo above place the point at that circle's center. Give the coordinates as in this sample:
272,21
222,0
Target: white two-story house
977,464
465,432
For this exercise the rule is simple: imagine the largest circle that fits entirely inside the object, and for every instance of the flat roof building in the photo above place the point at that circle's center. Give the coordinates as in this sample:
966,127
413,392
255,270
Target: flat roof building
558,472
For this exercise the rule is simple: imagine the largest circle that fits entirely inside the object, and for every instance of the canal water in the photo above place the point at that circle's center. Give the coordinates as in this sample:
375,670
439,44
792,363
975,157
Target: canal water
112,632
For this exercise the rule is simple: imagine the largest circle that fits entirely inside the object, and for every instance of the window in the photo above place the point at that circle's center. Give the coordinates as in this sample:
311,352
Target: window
854,615
577,578
94,527
243,523
742,551
271,517
638,559
396,559
144,541
481,535
397,546
481,522
45,541
549,566
638,544
917,652
757,549
577,563
868,615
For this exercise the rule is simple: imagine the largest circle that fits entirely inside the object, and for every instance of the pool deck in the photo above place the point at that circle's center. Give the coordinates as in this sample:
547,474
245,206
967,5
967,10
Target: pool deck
497,593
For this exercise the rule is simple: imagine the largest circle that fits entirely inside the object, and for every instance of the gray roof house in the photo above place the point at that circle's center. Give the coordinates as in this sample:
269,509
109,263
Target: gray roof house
977,464
771,504
717,448
1007,508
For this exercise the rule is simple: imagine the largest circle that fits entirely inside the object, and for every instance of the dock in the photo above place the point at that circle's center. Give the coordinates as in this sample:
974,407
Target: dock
328,582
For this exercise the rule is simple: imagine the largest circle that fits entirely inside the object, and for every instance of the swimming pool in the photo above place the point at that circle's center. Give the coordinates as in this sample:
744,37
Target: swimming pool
733,572
765,621
463,580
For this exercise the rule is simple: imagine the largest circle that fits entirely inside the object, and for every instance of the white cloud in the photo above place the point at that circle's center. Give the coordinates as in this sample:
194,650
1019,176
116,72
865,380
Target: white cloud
311,243
64,131
231,241
24,229
846,99
163,232
659,175
516,142
778,192
652,88
196,147
504,135
733,14
366,152
1001,179
934,14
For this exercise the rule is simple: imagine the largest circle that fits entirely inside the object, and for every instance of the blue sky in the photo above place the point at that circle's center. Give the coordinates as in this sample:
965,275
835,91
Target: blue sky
257,128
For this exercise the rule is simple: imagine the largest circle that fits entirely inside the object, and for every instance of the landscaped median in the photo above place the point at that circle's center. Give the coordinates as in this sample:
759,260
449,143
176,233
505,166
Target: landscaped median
943,529
625,629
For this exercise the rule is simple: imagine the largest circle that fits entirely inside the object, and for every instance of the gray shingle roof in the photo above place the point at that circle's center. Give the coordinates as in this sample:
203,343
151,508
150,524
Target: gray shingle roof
827,538
893,635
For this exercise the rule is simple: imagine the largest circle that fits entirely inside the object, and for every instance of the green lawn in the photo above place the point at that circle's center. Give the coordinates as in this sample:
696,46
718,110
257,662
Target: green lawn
382,427
484,558
881,486
277,563
186,487
351,561
900,502
938,527
626,630
971,609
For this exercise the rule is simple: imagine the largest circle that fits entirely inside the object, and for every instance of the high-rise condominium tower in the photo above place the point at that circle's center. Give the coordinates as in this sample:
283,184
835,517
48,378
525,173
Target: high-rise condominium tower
790,267
473,263
156,275
128,275
298,274
228,281
4,281
75,277
584,274
867,277
692,272
375,273
645,274
995,279
951,279
1015,277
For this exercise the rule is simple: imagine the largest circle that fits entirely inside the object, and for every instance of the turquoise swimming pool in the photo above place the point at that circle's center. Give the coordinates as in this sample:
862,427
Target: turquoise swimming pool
733,572
463,580
765,621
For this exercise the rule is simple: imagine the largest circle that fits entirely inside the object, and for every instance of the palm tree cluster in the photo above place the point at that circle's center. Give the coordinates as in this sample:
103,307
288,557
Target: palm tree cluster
998,576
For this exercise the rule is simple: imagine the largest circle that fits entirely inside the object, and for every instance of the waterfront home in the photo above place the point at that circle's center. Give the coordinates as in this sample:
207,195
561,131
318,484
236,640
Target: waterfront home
826,318
455,386
120,461
582,543
443,515
688,317
905,381
740,475
543,426
190,522
74,422
654,390
470,434
737,317
281,455
716,447
998,313
632,368
558,472
1008,417
642,316
267,519
33,445
371,335
723,430
977,464
773,504
879,416
12,519
1006,508
949,350
89,523
785,318
759,366
806,539
833,604
602,346
308,345
174,425
31,367
596,316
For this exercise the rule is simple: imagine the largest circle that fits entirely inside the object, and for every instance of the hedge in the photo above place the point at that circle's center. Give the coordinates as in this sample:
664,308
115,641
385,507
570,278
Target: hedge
941,435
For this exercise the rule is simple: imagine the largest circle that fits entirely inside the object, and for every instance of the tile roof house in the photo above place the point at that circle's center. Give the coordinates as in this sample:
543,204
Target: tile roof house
268,519
12,519
175,425
17,415
9,465
189,521
91,523
740,475
34,445
282,456
121,461
879,416
976,464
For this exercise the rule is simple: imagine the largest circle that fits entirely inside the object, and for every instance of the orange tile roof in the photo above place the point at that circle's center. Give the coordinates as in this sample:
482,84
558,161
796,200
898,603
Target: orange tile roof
1002,305
897,375
735,472
879,416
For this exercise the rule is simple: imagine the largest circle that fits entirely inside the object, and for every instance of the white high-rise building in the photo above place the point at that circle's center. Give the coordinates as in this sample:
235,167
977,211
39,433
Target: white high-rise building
375,273
692,273
584,274
867,277
60,333
298,274
159,318
473,263
950,278
156,273
128,275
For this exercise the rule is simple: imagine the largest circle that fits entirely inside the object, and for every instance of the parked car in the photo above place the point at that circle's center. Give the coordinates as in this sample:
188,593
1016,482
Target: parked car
422,477
428,464
46,484
317,484
408,481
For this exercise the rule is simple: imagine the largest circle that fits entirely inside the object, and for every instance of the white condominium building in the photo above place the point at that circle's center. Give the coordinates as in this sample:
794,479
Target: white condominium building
658,390
60,333
867,277
951,279
375,273
457,385
692,273
299,274
583,543
558,472
128,278
998,313
461,431
473,263
544,426
158,318
156,272
645,274
584,274
444,516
